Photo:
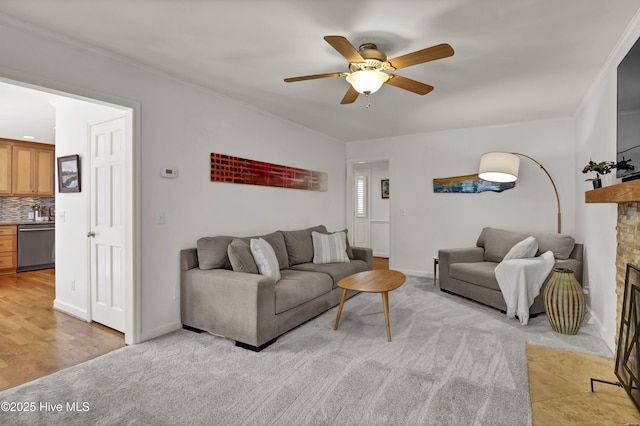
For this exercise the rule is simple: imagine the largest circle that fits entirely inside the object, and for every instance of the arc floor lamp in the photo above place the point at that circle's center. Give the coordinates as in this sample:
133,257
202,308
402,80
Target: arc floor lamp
504,166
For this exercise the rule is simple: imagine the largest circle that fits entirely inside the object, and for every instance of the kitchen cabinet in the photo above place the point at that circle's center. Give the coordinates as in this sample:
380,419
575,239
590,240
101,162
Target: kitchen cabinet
5,168
32,166
8,249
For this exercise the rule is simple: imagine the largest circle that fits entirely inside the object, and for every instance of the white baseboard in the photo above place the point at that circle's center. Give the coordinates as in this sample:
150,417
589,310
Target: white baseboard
414,273
69,309
599,328
159,331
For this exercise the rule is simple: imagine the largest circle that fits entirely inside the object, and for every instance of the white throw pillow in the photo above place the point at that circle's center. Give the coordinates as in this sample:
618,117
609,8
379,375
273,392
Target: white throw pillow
524,249
265,258
330,248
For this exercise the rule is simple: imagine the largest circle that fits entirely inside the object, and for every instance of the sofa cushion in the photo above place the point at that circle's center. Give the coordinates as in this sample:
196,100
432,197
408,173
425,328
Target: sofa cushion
498,242
478,273
524,249
336,271
240,257
329,248
212,252
298,287
276,241
300,245
561,245
265,258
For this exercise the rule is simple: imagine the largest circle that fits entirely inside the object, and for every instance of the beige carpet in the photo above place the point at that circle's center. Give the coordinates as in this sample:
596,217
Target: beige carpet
560,388
451,362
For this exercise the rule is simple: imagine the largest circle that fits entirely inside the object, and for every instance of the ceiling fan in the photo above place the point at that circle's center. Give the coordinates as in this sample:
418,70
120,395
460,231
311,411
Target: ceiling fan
369,68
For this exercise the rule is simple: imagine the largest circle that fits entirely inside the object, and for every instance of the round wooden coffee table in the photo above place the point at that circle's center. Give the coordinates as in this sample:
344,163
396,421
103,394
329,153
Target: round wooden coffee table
378,281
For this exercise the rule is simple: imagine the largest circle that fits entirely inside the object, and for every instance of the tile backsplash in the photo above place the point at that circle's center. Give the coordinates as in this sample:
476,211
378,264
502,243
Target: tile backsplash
18,208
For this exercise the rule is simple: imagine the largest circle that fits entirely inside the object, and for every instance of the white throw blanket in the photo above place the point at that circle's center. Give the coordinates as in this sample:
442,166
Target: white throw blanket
520,281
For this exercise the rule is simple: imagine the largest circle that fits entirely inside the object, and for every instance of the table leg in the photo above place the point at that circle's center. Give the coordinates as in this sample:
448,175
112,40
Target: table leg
436,260
385,305
342,299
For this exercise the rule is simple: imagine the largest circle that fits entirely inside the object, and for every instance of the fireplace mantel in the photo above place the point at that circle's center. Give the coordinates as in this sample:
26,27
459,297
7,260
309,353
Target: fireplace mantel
626,192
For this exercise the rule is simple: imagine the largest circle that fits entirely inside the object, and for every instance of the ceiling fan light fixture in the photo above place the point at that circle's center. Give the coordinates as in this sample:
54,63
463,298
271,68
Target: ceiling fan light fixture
367,81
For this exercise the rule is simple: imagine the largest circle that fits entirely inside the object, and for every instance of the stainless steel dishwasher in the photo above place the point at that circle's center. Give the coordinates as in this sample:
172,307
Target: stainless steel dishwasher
36,246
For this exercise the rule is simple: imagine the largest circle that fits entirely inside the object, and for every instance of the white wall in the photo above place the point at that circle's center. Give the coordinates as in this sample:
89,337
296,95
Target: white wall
179,126
435,221
72,130
595,130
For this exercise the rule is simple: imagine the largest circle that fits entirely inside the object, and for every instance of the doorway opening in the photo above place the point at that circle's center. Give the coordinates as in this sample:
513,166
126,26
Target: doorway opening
75,112
369,206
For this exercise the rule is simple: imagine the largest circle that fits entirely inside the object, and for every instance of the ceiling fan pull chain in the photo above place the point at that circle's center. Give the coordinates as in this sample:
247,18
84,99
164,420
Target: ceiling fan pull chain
368,101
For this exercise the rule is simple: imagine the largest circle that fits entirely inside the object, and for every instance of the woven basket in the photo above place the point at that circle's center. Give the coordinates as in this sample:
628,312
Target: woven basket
564,301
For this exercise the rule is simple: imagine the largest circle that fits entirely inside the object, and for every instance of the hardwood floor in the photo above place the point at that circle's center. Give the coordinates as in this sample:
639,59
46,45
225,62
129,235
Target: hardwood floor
35,339
560,388
381,263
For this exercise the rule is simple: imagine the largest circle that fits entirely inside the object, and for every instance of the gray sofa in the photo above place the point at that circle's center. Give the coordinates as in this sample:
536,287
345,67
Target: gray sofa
470,272
253,309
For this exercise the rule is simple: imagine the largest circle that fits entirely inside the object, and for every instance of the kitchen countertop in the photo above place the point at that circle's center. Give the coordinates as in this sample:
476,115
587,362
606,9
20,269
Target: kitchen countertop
26,222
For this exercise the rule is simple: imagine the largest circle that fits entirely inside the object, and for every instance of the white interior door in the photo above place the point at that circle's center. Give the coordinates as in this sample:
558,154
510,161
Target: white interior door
106,235
361,208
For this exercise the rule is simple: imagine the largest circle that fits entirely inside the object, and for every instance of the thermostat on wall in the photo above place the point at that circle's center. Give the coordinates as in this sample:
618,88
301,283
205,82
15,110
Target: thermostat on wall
168,172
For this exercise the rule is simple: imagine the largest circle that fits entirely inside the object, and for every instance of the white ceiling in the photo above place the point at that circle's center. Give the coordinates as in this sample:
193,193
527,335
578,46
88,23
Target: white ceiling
27,112
515,60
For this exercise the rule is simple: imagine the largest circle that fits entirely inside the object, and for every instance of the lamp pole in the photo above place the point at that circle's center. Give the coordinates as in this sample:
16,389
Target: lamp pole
552,183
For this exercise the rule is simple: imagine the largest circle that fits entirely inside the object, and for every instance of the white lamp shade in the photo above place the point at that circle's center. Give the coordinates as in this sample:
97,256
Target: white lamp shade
367,81
499,167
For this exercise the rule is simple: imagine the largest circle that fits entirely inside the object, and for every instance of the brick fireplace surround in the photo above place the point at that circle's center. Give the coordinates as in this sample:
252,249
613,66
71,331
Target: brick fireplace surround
627,196
628,248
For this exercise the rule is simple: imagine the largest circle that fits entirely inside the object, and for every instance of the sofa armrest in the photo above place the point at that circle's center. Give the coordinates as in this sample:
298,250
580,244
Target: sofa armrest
236,305
188,259
455,255
364,253
573,264
578,252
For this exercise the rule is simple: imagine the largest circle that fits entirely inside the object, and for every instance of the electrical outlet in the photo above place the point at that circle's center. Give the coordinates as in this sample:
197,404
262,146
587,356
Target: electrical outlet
160,218
73,285
403,212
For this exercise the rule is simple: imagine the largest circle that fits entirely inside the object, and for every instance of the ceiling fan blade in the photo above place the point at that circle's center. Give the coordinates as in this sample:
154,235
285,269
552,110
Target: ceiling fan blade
345,48
312,77
408,84
350,97
425,55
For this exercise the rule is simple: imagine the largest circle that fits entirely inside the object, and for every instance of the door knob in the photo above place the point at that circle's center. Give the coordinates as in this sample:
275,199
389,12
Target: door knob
91,234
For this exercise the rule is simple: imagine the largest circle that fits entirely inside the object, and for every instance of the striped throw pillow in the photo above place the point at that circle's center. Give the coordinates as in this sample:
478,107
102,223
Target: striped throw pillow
265,258
329,248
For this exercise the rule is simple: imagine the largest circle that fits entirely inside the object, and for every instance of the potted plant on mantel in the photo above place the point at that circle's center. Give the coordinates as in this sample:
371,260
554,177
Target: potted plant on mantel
601,168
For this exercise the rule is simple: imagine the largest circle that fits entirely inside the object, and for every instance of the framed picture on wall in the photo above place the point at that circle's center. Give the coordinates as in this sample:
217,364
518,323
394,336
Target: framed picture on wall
384,183
69,173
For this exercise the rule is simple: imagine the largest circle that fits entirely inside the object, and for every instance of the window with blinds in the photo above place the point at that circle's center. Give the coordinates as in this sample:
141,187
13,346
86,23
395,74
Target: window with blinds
361,196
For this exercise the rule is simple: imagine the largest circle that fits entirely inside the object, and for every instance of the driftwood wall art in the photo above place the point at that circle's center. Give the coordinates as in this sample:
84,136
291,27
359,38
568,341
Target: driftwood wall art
469,184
